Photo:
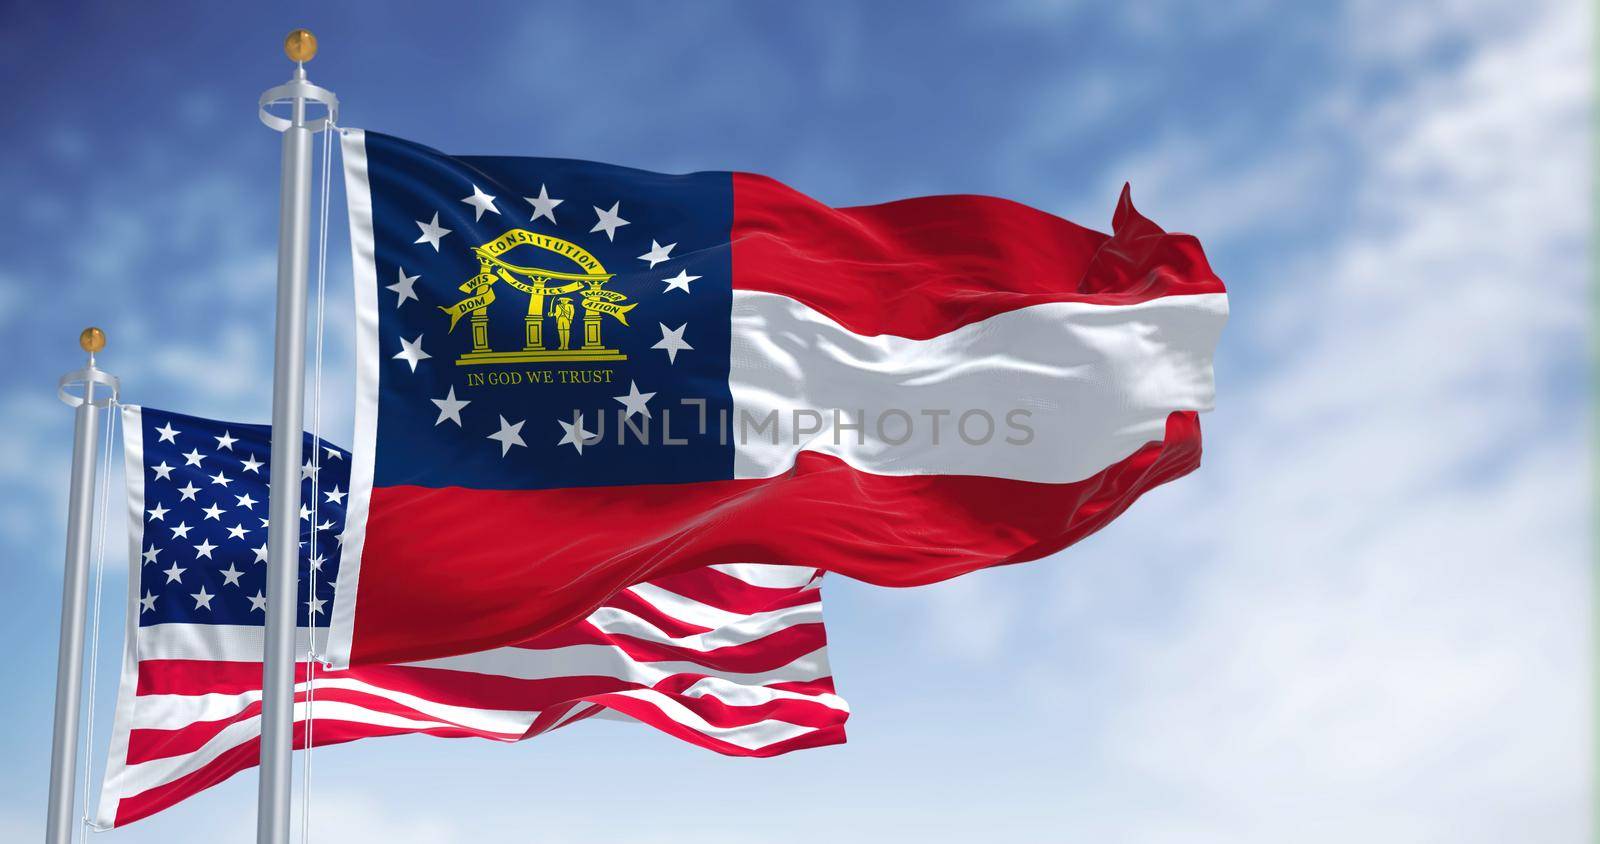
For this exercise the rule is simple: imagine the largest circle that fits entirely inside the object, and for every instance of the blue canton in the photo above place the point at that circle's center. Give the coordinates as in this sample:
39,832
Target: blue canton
530,308
204,551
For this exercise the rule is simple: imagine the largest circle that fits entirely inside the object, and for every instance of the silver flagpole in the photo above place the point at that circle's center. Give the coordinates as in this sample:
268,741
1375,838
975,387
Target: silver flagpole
288,399
75,581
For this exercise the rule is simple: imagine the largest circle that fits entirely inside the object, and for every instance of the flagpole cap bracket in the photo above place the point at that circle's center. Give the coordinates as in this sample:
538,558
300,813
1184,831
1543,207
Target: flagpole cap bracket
298,93
299,89
74,386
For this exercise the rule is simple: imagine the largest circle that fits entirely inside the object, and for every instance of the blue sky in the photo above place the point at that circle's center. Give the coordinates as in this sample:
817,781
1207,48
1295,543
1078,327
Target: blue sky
1365,618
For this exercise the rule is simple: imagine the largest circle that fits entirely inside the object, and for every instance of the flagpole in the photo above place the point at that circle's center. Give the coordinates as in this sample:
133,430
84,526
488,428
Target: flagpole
288,400
75,581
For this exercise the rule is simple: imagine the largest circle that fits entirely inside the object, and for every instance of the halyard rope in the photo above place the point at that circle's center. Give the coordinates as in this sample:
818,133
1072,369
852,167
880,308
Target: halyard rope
316,474
104,493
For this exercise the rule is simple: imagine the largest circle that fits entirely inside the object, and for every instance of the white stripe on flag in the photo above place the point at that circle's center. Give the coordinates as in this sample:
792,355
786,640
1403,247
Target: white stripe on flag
1097,382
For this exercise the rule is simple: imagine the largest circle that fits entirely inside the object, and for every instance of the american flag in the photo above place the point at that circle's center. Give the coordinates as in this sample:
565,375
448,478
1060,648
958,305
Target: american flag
732,658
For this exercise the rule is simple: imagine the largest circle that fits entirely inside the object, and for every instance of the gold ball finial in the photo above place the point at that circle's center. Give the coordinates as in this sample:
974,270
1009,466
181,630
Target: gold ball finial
300,46
92,340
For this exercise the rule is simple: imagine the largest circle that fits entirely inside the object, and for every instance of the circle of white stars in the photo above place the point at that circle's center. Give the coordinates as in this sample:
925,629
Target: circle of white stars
508,435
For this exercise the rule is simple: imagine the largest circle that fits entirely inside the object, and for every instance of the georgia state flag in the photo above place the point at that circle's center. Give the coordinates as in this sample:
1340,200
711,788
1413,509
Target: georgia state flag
574,377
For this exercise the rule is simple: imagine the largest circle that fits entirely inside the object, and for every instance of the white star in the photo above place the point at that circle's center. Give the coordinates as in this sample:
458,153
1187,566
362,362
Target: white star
150,555
261,553
251,464
317,561
305,513
336,497
404,288
411,352
258,601
220,478
508,436
672,341
679,281
326,524
193,458
159,514
231,575
147,603
450,407
246,501
202,598
316,605
181,531
213,512
481,202
333,453
575,435
635,401
543,205
432,232
204,549
226,441
610,221
657,253
263,522
188,491
163,471
168,434
237,531
309,470
174,574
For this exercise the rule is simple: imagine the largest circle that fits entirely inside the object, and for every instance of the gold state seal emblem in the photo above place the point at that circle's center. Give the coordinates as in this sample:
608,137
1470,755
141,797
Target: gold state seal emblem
565,299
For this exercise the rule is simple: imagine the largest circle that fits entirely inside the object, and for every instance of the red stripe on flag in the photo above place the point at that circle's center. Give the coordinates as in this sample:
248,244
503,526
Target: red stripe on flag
726,592
442,685
200,676
247,755
145,745
804,713
631,602
819,686
423,594
922,267
649,714
774,650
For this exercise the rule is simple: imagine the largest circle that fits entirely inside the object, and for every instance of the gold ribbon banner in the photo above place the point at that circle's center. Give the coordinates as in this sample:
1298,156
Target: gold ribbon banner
610,308
480,280
466,306
592,268
536,289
